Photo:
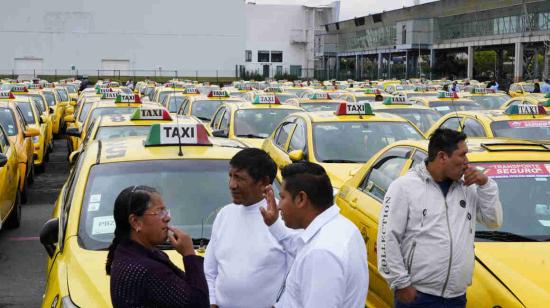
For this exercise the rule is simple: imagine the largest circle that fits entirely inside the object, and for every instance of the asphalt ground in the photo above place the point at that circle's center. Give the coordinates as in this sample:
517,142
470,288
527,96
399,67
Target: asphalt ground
22,257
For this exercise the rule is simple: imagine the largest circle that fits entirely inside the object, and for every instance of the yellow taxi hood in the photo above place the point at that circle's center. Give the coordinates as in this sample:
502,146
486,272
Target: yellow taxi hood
252,142
339,173
523,267
89,285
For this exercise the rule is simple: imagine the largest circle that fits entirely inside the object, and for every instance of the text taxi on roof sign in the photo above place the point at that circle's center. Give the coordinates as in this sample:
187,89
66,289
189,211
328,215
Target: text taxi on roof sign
82,226
528,122
522,171
340,141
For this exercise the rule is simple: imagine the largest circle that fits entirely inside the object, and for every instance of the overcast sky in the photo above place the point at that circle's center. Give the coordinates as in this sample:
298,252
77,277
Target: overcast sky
352,8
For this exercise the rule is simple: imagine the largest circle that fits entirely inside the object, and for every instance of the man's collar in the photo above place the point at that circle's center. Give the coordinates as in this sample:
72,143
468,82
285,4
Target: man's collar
319,221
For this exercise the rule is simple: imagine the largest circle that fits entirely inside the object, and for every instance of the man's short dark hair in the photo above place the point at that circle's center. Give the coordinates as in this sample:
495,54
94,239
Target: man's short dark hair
256,162
310,178
444,139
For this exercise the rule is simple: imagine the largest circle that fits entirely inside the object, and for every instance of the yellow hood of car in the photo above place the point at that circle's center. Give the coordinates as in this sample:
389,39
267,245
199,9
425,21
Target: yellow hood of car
523,267
89,286
339,173
251,142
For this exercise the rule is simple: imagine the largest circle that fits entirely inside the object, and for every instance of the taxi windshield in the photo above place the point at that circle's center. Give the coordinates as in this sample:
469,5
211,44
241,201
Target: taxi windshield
321,106
8,121
489,101
259,123
180,182
528,87
524,191
62,94
357,142
109,132
422,94
84,112
49,98
110,110
71,88
204,109
26,110
284,97
444,107
534,129
175,103
422,118
163,94
38,101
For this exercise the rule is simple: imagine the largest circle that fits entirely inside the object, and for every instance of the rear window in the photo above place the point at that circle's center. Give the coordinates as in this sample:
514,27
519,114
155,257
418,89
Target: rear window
26,110
50,99
7,119
535,129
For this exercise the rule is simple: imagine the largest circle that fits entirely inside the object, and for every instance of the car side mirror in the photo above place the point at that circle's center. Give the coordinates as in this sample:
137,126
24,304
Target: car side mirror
296,155
220,133
3,160
72,103
31,132
42,118
49,235
69,110
73,132
69,118
51,109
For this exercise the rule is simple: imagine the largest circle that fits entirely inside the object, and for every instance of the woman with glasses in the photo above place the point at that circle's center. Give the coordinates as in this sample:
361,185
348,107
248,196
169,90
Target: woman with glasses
141,274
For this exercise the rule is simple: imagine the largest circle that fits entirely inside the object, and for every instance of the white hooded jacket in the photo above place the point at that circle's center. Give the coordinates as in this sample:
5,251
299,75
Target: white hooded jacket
427,240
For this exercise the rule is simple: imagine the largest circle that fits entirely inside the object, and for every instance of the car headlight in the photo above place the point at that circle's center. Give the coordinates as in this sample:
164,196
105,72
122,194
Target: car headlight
66,302
35,139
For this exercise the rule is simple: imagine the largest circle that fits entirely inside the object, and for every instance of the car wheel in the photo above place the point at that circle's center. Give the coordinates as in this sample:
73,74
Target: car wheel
14,220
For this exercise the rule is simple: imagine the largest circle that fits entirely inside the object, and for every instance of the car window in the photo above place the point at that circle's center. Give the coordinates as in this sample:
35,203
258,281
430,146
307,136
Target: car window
4,143
282,135
20,117
472,128
419,157
384,172
298,140
258,123
7,119
224,124
26,110
215,121
451,123
515,102
50,99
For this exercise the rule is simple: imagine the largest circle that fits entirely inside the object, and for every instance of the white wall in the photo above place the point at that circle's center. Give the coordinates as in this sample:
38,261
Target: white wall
205,35
271,27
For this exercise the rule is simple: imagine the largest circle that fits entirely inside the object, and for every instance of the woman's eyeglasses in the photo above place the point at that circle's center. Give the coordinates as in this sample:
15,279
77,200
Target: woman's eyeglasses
162,213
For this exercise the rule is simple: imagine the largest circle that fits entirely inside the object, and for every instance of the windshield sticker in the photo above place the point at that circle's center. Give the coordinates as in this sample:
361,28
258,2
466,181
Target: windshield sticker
103,225
528,124
545,223
512,170
541,179
93,207
542,209
95,198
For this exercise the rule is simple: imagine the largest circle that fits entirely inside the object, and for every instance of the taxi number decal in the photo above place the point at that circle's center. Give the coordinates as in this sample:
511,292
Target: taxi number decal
512,170
115,150
117,118
93,207
103,225
528,123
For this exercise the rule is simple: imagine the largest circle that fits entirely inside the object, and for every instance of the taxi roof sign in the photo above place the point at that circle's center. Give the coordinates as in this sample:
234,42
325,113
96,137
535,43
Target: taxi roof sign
191,91
109,95
525,109
266,99
6,95
218,93
444,94
319,95
349,108
176,134
151,114
21,88
34,86
396,100
372,91
127,98
482,91
103,90
274,90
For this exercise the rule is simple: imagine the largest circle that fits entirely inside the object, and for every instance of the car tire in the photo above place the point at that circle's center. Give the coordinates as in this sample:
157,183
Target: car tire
14,220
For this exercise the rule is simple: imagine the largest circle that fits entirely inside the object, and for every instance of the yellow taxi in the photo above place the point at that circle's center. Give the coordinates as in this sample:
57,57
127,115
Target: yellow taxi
420,90
512,266
315,101
173,101
179,160
250,123
45,115
422,117
446,102
10,199
281,93
19,135
340,141
57,110
529,99
77,118
160,93
521,89
368,94
487,98
204,106
528,122
35,120
114,103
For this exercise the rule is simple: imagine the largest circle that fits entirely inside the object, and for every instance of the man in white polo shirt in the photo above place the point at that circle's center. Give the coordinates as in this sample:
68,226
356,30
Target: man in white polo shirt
244,264
330,267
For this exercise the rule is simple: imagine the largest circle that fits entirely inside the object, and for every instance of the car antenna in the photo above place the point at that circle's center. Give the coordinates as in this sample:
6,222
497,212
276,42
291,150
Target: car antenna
180,153
460,125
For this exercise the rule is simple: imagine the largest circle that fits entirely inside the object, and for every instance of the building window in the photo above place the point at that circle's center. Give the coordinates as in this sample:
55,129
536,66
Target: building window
296,70
279,70
404,34
276,56
263,56
248,55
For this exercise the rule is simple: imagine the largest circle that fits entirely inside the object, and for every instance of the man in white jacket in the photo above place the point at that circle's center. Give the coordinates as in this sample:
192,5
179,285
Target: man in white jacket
427,225
244,264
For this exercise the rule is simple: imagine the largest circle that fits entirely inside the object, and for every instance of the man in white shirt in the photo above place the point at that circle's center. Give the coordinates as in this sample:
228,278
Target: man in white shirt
330,267
244,264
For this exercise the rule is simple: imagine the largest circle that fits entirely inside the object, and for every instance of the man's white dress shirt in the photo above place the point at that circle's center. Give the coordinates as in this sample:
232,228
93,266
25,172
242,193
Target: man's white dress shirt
330,267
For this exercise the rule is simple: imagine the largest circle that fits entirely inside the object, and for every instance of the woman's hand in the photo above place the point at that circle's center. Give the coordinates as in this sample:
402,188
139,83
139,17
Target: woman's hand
181,241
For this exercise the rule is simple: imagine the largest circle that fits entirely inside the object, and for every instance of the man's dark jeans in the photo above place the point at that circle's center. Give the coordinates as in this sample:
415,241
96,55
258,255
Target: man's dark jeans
431,301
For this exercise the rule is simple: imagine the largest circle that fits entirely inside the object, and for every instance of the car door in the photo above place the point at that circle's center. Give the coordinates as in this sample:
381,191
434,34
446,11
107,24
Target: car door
278,145
365,204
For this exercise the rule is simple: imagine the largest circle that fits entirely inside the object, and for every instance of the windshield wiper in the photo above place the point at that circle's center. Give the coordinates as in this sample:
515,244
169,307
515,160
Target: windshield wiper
250,136
340,161
502,236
